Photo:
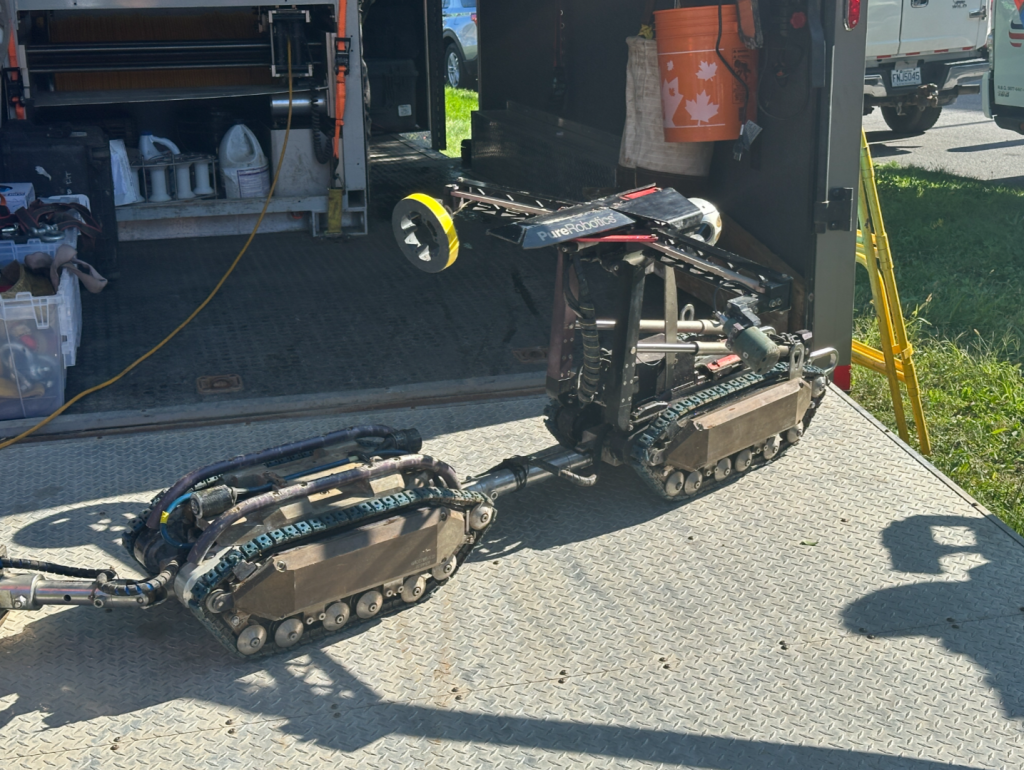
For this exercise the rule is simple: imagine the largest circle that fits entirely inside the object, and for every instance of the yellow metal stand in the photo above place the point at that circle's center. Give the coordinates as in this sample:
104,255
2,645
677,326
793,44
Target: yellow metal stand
895,359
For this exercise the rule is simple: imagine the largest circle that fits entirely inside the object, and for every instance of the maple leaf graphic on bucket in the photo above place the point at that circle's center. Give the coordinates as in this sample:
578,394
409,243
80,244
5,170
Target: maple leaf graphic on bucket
670,99
701,109
707,70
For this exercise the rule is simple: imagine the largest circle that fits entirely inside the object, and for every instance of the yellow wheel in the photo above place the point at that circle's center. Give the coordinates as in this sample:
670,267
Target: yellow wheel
425,233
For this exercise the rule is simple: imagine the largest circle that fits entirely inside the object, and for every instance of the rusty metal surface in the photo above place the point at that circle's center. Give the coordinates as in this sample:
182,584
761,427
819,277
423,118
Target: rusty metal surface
598,627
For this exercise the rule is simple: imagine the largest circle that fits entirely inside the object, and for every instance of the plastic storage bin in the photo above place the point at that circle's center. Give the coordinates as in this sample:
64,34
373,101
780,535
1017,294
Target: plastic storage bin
31,360
67,303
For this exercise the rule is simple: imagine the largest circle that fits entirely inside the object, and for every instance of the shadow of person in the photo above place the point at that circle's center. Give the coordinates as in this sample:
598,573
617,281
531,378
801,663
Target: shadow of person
973,606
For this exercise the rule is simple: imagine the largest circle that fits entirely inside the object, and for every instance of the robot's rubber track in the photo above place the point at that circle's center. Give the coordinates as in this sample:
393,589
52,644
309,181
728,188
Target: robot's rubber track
667,423
321,525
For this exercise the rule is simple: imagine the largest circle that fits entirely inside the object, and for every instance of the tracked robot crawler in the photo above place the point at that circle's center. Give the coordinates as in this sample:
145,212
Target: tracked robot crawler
303,541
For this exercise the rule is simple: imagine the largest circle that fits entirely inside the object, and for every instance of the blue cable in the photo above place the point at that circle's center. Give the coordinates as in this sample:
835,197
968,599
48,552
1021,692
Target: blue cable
163,522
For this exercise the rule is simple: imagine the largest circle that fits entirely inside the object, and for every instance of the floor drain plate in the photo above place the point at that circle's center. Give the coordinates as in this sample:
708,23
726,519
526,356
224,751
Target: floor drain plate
530,355
219,383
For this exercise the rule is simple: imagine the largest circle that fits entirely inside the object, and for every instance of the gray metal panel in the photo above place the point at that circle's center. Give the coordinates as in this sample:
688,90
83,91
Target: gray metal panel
592,631
222,207
353,133
831,292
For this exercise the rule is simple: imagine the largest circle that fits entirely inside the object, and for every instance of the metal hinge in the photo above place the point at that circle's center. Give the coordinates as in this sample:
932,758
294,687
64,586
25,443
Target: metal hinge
837,212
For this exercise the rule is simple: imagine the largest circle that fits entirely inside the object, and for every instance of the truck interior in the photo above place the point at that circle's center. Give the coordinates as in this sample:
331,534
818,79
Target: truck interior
552,81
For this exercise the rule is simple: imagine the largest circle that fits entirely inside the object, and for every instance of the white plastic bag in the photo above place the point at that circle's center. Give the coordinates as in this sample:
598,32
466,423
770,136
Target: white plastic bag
643,139
243,166
126,184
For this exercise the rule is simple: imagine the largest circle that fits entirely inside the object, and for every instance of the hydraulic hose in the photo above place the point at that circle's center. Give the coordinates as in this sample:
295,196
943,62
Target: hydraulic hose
141,587
53,569
287,494
404,440
590,371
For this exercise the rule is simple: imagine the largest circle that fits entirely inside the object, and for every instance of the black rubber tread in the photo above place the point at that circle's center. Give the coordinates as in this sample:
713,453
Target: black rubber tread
913,121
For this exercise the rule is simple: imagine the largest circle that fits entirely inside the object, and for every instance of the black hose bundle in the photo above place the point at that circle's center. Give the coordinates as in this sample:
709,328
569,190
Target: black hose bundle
320,148
141,587
54,569
590,371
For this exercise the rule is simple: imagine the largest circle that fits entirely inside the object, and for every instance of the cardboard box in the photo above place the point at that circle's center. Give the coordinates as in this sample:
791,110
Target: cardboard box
17,195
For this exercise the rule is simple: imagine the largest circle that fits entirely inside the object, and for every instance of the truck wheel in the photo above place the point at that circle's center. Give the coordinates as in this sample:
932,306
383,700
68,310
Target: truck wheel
454,67
914,121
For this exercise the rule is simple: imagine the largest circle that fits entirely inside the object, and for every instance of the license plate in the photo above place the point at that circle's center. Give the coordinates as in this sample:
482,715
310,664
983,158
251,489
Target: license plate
908,77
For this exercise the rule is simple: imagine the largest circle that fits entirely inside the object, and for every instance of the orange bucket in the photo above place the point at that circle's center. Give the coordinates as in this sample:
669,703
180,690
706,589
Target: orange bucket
700,98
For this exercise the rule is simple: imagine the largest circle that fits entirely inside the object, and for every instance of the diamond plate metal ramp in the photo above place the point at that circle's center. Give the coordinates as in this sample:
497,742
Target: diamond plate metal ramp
599,628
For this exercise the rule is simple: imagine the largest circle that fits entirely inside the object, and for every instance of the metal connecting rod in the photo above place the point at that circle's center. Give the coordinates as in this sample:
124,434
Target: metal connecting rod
31,591
520,473
657,326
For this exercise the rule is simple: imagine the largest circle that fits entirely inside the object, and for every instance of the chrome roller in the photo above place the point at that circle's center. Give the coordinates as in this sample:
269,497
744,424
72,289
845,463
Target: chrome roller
674,484
251,640
369,604
288,633
481,516
723,469
445,569
741,462
413,588
336,616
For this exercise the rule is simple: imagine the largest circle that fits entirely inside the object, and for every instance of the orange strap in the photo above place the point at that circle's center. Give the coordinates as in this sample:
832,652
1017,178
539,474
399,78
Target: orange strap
339,94
12,54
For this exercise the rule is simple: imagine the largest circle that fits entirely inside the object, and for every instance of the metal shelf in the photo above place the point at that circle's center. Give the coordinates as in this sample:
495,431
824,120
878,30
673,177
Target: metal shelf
144,212
43,99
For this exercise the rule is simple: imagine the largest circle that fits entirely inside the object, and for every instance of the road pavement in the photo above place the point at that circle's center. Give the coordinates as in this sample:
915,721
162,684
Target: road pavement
962,142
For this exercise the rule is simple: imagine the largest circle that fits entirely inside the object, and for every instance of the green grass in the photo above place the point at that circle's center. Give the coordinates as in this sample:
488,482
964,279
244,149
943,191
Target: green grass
459,104
960,272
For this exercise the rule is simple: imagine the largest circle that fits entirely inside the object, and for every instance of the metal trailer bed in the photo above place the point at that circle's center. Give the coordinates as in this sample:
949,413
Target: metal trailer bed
844,607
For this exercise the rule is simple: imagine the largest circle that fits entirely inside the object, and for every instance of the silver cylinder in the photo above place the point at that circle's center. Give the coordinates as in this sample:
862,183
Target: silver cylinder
302,104
696,348
32,592
497,483
656,325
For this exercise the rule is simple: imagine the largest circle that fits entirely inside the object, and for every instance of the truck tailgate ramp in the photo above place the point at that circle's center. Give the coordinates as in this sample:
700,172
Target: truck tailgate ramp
846,608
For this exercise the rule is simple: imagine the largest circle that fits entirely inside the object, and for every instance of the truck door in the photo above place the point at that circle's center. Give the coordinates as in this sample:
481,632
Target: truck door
1008,54
884,28
942,25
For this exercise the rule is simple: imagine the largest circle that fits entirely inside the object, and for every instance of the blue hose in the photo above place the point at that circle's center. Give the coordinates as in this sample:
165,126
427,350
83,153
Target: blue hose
163,522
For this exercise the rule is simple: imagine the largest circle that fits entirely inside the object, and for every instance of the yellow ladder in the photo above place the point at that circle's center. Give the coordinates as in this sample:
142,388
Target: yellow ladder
895,359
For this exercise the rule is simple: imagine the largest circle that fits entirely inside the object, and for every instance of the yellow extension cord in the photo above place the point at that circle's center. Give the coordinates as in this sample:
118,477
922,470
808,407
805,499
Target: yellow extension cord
205,302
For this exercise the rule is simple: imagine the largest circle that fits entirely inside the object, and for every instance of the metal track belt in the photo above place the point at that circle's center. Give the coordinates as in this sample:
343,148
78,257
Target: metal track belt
668,422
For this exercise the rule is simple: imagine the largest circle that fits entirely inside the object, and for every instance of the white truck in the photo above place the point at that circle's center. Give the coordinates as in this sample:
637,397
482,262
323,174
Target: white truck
1002,92
921,55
